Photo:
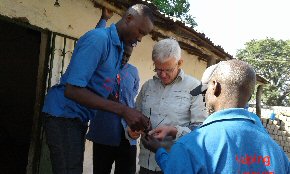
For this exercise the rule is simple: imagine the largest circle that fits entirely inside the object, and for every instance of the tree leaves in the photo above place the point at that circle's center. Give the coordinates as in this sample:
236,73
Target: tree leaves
271,59
176,8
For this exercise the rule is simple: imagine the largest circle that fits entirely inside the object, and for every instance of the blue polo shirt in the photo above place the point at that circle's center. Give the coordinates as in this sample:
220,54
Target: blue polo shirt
229,141
106,127
95,62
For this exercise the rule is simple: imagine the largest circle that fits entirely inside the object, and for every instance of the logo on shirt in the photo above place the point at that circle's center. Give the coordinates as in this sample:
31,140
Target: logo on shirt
254,160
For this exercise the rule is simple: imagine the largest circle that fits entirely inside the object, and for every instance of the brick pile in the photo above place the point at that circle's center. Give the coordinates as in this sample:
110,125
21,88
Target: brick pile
279,129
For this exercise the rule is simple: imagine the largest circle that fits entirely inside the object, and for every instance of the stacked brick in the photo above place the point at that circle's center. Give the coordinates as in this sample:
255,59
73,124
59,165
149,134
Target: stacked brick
279,129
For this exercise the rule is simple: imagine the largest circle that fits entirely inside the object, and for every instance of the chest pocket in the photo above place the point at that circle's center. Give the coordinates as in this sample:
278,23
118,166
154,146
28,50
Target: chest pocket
109,64
104,80
180,101
149,100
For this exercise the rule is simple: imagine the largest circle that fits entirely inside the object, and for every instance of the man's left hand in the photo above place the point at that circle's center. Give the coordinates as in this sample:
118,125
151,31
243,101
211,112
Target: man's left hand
161,132
106,14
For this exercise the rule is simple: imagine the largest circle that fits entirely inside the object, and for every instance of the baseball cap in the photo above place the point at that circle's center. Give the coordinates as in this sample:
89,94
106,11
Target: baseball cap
207,75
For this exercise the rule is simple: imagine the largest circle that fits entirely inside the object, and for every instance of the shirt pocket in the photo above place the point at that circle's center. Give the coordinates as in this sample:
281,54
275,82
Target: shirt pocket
179,102
148,102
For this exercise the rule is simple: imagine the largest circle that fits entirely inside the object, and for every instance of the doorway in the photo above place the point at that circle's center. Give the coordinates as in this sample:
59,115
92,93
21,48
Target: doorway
19,55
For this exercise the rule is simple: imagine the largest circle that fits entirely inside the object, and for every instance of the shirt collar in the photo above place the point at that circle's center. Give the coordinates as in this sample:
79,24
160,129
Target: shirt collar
228,114
114,35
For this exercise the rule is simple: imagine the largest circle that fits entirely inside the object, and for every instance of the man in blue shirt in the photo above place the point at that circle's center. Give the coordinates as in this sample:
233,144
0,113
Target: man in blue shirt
106,130
86,85
229,140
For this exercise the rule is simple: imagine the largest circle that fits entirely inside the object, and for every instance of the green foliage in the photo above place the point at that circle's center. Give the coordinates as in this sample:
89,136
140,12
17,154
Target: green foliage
176,8
271,59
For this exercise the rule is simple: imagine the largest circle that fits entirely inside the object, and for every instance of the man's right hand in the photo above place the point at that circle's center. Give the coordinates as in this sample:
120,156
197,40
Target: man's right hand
136,120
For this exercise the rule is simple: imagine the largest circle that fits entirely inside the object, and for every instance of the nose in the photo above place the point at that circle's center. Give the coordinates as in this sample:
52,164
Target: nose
162,74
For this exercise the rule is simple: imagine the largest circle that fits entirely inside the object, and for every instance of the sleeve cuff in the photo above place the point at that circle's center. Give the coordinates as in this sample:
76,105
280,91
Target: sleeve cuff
78,83
179,132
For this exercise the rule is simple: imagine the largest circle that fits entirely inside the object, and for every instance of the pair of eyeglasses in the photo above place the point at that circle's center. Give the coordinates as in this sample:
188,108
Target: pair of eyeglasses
167,71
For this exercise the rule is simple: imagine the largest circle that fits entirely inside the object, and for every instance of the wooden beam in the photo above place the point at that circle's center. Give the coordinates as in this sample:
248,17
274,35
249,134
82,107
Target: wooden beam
258,100
35,143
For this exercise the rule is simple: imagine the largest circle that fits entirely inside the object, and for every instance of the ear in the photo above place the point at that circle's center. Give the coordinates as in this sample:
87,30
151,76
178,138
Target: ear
216,88
180,62
129,18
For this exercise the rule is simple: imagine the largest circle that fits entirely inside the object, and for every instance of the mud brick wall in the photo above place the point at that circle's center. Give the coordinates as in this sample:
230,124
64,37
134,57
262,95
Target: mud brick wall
279,129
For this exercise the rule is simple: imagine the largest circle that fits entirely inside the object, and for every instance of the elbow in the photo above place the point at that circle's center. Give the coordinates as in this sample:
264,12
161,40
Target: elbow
68,92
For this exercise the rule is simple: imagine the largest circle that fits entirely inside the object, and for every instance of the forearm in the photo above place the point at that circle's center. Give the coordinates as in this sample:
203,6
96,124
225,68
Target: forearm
161,157
89,99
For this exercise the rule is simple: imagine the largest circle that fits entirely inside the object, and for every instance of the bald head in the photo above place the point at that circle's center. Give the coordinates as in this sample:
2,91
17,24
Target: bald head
236,75
231,85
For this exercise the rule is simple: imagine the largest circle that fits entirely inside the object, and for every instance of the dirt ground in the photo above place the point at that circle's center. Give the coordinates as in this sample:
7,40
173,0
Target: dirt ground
88,159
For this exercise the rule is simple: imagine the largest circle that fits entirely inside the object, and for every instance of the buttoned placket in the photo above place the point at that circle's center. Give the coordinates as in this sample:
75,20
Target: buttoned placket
164,89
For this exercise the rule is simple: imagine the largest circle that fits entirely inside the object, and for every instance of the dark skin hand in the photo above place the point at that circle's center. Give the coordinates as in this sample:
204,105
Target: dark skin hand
135,119
106,14
150,143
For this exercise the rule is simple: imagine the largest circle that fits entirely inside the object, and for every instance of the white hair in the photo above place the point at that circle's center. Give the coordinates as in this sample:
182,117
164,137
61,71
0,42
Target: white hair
166,49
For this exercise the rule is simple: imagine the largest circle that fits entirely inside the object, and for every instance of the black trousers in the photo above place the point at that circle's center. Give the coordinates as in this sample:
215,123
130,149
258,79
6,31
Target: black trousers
66,141
124,156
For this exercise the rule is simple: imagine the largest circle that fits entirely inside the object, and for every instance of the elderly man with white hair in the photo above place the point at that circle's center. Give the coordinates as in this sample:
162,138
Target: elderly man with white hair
167,102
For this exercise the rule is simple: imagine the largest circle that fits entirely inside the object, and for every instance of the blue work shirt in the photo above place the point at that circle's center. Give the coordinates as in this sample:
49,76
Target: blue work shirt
229,141
257,121
106,127
101,24
95,62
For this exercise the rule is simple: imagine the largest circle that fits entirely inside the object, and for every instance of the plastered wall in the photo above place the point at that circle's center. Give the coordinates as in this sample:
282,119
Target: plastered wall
74,18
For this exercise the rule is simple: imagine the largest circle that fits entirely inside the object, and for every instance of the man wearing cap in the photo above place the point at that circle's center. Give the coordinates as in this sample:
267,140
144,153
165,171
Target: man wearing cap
229,140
